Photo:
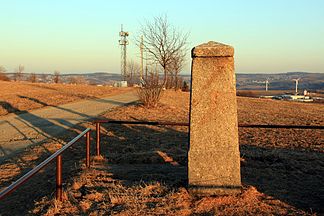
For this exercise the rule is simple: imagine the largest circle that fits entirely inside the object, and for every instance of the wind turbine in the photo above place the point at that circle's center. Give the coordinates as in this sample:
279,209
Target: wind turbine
296,80
267,83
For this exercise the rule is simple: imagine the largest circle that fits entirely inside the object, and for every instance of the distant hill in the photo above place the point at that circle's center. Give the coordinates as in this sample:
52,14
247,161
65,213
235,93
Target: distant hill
280,81
98,78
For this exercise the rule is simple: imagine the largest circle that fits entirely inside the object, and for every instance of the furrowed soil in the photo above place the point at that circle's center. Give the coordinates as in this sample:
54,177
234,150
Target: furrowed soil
19,97
142,170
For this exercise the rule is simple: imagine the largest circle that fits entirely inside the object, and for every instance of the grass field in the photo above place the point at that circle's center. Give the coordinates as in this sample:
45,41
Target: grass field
17,97
143,168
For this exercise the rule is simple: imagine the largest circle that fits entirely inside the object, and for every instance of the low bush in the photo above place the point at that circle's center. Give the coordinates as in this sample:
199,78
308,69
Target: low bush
151,91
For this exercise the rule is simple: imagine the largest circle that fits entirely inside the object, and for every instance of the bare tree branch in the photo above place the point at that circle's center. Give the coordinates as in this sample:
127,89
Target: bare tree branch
163,43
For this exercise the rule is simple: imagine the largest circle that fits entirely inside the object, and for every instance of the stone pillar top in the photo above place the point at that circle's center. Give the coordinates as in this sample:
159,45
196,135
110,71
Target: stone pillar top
212,49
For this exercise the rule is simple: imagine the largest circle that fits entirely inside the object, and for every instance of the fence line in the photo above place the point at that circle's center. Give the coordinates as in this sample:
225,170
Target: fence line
316,127
98,123
58,156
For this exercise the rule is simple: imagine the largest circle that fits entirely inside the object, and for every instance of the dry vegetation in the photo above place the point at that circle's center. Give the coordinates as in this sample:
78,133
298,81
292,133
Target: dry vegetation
16,97
143,168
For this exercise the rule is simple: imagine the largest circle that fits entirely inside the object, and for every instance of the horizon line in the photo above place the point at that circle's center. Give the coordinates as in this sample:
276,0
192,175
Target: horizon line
183,73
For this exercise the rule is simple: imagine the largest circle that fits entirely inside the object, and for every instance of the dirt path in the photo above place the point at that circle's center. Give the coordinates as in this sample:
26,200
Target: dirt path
20,131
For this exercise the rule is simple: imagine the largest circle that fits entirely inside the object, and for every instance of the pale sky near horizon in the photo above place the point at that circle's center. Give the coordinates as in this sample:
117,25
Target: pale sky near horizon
78,36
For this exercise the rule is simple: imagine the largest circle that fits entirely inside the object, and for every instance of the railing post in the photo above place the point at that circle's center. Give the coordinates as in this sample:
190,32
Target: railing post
98,139
88,149
59,191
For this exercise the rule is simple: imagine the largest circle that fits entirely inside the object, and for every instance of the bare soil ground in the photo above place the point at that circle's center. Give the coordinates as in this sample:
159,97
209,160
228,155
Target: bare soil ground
17,97
143,168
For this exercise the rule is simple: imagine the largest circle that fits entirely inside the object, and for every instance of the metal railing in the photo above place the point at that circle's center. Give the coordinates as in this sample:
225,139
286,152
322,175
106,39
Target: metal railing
58,156
319,127
98,122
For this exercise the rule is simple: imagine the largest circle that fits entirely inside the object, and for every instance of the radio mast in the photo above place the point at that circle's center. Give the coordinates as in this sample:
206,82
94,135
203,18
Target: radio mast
123,42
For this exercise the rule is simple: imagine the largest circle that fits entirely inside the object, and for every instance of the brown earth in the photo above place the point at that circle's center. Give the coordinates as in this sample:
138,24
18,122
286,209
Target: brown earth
16,97
143,168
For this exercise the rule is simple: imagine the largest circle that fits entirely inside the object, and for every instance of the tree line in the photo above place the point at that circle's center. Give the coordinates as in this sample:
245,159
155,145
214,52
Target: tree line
19,75
55,77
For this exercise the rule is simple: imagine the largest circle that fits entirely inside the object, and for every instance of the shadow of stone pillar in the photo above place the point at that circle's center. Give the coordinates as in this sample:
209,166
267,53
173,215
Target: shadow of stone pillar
214,158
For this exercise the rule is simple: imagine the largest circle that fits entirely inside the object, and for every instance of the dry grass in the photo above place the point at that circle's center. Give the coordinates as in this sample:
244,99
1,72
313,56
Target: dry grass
150,96
150,93
263,111
23,96
143,168
98,193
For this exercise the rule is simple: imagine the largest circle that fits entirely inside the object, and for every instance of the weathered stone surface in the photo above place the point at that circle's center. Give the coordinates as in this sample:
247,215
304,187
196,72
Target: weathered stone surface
214,159
212,49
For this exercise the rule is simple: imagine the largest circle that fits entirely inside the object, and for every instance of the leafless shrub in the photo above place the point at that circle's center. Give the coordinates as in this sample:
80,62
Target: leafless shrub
185,87
32,78
56,78
178,83
150,93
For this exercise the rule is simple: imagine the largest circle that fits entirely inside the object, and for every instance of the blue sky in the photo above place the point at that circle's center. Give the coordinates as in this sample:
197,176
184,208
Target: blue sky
82,35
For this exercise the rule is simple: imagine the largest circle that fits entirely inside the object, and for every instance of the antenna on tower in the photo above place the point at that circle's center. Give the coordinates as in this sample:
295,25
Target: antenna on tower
123,42
297,81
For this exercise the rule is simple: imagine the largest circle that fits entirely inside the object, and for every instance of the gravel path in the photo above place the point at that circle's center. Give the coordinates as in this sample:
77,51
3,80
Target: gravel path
20,131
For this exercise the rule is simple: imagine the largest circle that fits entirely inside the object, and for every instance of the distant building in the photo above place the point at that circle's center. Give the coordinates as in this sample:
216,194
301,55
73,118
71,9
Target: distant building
120,84
301,98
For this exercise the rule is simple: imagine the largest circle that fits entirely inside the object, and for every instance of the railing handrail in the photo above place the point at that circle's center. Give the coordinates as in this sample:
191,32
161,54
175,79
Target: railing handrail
187,124
36,169
140,122
282,126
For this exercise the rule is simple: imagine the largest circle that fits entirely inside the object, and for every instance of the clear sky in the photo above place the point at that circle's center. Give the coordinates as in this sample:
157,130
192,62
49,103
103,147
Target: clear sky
82,35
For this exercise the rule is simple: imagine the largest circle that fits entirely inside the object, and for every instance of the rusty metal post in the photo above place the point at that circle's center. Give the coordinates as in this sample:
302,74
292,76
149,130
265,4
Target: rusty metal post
59,190
98,139
88,149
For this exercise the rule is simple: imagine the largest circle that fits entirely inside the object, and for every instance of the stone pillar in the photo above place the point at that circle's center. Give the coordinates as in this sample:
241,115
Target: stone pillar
214,158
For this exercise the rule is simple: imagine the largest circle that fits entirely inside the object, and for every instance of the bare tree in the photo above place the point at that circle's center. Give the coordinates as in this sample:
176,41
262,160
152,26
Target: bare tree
133,70
162,42
56,78
3,76
18,75
32,78
177,64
